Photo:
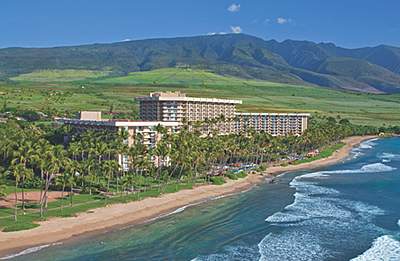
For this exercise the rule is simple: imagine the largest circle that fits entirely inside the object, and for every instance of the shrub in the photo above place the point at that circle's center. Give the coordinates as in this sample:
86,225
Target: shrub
29,115
262,167
217,180
241,174
232,176
33,183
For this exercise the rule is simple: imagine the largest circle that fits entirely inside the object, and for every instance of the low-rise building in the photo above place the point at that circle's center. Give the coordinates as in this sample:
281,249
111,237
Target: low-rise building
146,129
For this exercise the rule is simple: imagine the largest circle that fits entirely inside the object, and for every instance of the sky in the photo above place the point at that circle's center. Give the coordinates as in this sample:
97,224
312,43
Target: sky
347,23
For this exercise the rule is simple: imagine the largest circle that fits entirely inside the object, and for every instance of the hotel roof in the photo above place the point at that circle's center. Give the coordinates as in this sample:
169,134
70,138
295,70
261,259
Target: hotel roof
271,114
178,96
118,123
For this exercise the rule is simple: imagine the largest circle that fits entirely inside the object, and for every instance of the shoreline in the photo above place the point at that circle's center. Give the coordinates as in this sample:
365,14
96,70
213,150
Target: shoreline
336,157
116,216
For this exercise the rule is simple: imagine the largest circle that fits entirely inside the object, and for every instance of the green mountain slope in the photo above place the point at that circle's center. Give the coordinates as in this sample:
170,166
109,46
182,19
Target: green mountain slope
353,69
243,56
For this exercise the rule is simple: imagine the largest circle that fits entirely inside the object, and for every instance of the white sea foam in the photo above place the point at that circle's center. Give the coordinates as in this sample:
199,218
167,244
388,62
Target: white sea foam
321,208
388,157
356,153
319,174
29,251
313,201
176,211
232,253
359,151
384,248
369,144
398,222
309,207
179,210
298,246
376,167
369,168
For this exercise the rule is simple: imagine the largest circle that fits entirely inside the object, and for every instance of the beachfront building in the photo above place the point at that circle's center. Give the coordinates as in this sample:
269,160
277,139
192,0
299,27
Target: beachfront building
177,107
221,113
147,130
173,109
276,124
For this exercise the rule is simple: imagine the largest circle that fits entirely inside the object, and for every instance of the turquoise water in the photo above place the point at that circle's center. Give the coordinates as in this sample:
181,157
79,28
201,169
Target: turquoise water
350,211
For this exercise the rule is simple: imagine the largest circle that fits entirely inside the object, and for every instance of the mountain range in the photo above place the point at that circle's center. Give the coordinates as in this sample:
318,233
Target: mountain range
369,69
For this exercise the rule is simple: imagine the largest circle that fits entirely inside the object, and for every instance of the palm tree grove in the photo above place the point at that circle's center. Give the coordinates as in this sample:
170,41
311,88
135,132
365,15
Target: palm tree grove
84,170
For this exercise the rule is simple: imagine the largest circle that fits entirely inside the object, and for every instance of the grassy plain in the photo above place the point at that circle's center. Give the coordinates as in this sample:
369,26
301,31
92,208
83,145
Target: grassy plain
119,92
60,75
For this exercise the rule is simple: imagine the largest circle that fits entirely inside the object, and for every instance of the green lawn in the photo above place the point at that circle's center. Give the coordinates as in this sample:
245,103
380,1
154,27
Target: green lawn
81,203
256,95
327,152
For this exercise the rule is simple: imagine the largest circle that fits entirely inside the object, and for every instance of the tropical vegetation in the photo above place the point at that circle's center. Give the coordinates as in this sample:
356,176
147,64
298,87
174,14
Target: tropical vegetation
85,168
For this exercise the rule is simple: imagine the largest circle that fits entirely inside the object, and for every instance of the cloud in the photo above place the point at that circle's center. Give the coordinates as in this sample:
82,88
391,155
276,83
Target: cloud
236,29
234,8
266,21
283,20
126,40
216,33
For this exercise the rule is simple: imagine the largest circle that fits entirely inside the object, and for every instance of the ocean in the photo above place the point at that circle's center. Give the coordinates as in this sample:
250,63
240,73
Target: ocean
349,211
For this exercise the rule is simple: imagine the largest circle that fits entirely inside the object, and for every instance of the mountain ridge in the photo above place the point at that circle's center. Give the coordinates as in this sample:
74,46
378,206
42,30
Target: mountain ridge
368,69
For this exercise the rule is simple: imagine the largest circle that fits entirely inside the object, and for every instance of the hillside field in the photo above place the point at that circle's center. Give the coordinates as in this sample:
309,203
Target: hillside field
59,75
119,92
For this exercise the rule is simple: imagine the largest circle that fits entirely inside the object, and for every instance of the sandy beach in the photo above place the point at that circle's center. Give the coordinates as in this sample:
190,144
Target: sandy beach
107,218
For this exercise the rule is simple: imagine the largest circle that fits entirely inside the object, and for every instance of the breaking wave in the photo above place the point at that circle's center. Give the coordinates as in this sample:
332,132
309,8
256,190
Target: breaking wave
317,208
369,168
359,151
383,248
388,157
292,245
369,144
232,253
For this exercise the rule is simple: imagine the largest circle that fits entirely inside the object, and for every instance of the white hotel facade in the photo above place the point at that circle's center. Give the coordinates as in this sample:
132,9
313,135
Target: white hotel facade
276,124
172,109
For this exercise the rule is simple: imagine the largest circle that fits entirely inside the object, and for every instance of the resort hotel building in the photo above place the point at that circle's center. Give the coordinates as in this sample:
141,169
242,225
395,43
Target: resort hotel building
276,124
173,109
177,107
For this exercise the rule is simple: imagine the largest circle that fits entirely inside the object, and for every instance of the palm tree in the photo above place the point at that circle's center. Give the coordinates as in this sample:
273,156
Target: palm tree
22,155
109,167
55,157
70,180
63,178
19,171
40,149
